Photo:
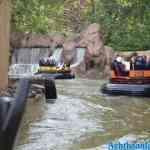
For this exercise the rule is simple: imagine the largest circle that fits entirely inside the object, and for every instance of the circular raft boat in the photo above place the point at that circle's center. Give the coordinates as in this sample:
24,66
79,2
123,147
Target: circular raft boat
55,73
51,69
137,83
127,89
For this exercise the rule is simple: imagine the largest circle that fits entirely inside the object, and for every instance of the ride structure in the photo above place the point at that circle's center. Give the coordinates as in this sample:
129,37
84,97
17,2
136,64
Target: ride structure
135,82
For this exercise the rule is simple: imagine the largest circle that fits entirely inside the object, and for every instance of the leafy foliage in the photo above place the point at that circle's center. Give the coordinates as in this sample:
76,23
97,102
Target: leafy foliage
125,22
35,15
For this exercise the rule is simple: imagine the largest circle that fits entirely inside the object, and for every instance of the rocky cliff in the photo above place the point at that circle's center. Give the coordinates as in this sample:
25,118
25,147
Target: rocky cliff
97,56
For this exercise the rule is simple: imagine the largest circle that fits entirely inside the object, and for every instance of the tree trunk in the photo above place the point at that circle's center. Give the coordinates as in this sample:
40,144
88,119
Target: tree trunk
4,42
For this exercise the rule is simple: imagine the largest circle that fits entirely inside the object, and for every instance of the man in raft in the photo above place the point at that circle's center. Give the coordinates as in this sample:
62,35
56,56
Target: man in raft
120,66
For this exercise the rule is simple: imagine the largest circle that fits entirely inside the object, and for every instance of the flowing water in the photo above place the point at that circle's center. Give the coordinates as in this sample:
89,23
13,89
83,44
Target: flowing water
82,118
29,55
24,62
80,53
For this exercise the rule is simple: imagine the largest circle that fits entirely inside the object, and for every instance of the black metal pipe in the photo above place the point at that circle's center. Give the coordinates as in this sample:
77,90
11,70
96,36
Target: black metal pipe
10,124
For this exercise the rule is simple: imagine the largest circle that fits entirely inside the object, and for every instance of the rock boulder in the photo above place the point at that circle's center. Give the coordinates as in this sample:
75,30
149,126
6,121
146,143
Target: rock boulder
69,52
92,38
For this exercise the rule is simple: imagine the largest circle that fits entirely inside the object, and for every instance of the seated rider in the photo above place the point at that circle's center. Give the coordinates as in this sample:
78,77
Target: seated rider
148,63
48,61
118,66
132,60
140,63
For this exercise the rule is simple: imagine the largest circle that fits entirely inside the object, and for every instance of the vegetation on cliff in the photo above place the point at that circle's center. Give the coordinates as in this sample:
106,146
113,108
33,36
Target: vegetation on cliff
124,22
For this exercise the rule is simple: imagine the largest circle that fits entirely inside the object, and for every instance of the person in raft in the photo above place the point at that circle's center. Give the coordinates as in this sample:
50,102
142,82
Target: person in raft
138,62
48,61
148,62
120,66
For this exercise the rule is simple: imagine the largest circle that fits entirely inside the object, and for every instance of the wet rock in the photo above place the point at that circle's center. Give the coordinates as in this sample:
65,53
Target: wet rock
21,40
16,38
97,56
92,39
80,70
69,51
109,53
58,40
37,40
36,90
93,74
106,72
9,92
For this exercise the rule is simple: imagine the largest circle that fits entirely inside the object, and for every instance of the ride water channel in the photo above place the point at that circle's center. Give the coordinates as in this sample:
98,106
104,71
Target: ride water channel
82,118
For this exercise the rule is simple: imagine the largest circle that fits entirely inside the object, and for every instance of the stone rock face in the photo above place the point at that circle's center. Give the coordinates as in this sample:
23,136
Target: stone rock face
92,38
69,52
58,40
97,58
21,40
109,53
16,38
35,90
37,41
80,70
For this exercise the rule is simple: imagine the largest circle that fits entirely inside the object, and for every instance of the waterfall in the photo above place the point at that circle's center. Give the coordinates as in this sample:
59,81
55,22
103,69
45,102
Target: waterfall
80,53
29,55
24,62
57,54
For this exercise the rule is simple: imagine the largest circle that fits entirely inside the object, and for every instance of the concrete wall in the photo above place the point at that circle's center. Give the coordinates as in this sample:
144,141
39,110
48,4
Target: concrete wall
4,41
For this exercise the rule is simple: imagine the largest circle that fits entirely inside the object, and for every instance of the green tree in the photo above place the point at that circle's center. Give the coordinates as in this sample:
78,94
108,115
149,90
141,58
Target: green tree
125,23
35,16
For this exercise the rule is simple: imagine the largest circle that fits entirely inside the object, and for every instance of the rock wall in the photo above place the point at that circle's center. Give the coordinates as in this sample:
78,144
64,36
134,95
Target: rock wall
97,57
24,40
4,42
92,39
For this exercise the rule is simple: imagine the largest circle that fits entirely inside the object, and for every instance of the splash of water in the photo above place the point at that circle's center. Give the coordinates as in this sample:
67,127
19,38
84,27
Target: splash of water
25,61
29,55
79,57
57,54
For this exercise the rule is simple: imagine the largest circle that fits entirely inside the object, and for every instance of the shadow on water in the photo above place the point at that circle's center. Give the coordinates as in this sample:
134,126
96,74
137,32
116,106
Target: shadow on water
83,118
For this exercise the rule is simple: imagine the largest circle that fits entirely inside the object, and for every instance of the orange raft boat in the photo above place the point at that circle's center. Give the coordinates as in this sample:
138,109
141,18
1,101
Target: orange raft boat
136,83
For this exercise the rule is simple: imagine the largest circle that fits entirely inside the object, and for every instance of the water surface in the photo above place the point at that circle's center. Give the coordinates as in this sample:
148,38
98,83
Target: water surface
82,118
